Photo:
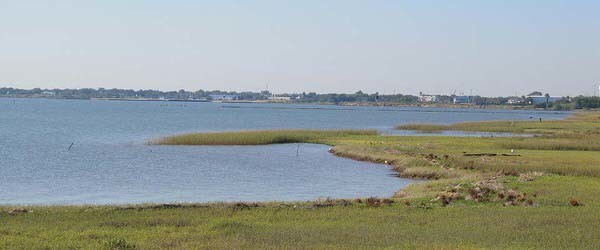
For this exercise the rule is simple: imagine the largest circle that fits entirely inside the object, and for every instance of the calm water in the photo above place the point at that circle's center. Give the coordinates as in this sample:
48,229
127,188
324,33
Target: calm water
109,162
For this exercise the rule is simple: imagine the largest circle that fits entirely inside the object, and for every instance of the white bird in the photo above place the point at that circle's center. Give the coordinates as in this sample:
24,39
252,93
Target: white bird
512,150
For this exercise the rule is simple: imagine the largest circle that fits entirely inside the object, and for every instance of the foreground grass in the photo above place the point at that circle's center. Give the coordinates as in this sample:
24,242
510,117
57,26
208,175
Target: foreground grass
542,193
272,226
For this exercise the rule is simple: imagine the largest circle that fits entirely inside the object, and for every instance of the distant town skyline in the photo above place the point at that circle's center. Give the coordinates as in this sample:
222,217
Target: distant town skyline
487,48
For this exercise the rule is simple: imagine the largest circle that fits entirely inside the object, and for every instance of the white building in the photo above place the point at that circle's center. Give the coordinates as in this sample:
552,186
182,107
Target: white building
428,98
223,97
280,98
514,101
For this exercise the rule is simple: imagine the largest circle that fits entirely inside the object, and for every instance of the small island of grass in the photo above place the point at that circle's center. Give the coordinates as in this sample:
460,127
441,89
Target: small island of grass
261,137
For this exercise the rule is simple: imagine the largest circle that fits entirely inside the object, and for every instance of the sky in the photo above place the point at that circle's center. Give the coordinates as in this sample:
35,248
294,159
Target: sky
489,48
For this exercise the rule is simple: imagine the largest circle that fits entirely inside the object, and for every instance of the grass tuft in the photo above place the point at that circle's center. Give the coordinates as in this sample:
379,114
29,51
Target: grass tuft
119,244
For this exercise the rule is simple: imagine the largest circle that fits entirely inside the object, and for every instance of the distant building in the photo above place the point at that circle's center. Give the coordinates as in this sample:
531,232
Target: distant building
539,99
428,98
461,99
48,93
280,98
514,101
217,97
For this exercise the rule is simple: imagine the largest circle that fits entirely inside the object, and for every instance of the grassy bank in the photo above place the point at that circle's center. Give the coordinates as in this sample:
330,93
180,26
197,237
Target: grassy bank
538,192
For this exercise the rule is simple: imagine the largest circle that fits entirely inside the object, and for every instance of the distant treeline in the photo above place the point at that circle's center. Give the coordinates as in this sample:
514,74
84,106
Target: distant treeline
587,102
356,97
89,93
568,103
579,102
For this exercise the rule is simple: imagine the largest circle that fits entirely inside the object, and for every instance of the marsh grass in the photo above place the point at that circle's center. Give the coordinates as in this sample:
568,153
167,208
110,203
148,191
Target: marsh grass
258,137
590,142
566,147
580,122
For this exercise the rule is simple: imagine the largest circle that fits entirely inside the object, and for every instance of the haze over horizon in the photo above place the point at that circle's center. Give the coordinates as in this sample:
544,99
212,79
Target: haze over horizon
481,47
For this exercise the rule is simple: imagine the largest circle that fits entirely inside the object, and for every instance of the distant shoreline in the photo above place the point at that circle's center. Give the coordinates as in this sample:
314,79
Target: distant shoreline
346,104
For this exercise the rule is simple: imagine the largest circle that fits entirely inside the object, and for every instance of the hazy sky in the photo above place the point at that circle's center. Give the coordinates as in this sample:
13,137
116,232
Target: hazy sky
488,47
